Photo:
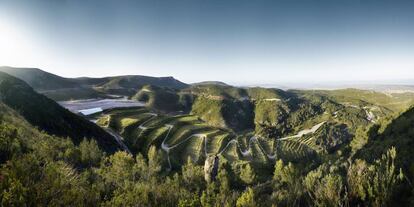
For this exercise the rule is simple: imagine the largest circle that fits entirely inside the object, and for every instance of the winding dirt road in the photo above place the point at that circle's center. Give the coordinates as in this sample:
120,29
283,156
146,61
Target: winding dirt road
246,152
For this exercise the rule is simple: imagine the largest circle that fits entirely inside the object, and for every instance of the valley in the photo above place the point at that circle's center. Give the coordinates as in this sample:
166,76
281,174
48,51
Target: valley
248,133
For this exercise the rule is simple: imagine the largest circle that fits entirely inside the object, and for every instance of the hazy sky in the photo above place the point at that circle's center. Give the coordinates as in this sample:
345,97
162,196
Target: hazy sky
240,41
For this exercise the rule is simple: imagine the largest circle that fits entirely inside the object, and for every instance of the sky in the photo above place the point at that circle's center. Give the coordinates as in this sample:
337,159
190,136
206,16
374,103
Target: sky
242,42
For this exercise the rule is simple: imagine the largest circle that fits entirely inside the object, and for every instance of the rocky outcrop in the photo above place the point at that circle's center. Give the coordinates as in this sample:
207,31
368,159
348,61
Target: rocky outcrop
211,168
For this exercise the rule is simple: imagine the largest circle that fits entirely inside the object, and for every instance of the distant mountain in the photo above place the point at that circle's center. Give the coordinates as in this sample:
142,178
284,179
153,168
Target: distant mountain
389,88
39,79
49,116
210,83
128,85
60,88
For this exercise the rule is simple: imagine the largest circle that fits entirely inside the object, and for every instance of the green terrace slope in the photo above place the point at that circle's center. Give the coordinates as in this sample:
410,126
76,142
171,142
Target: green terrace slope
268,114
253,125
183,136
224,113
49,116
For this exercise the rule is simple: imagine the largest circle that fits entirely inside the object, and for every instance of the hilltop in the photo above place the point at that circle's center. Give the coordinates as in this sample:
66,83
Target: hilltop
39,79
210,83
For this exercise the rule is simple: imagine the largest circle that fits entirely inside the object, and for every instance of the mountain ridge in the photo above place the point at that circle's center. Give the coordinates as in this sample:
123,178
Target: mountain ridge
60,88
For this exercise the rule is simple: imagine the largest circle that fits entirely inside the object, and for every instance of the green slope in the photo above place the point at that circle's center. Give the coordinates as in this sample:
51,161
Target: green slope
164,99
128,85
398,132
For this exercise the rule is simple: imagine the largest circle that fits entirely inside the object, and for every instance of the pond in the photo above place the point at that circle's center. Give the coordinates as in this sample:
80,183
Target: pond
92,106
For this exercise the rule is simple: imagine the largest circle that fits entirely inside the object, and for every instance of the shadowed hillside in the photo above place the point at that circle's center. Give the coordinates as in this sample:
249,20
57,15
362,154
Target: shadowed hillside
398,132
49,116
39,79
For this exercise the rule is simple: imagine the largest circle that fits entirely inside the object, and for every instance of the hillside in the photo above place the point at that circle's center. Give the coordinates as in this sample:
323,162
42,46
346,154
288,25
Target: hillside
60,89
210,83
272,117
128,85
39,79
183,136
163,99
282,111
293,125
397,132
53,86
49,116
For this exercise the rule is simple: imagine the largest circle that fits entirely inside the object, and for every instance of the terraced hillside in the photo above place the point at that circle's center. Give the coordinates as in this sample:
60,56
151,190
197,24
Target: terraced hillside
276,113
184,136
256,125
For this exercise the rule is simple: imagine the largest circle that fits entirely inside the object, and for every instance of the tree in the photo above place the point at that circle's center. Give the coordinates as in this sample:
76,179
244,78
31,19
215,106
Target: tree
357,176
226,196
91,155
247,174
285,173
193,175
13,193
360,139
324,190
208,196
247,199
154,161
375,183
9,143
118,169
287,184
189,202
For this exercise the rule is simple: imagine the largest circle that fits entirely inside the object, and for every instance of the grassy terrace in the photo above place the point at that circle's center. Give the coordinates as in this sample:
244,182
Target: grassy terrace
188,136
